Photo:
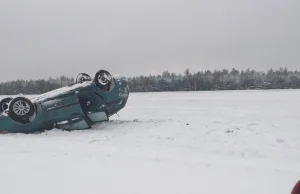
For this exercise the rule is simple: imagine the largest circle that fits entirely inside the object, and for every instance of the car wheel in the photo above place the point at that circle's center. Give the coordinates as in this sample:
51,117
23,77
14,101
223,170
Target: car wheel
103,80
82,77
21,110
4,104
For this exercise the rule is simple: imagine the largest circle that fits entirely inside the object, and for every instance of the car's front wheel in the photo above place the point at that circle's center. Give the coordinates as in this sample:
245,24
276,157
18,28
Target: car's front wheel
21,110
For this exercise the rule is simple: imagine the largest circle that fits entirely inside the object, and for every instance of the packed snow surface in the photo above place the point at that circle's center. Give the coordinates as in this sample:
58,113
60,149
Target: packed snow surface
233,142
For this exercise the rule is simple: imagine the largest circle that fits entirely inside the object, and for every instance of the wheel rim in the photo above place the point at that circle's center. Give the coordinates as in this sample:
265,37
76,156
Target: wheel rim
21,108
4,106
81,79
104,78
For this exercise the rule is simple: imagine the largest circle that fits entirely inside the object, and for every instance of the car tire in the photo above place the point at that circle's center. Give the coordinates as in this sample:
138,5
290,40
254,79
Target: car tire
82,77
21,110
103,80
4,104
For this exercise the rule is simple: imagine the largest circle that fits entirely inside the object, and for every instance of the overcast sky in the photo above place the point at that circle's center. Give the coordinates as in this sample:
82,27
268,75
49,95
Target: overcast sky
43,38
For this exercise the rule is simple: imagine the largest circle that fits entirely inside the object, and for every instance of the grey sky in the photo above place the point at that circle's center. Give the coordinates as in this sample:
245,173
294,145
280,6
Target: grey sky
43,38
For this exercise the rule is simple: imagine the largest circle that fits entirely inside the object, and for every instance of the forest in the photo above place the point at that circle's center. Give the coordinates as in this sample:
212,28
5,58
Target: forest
208,80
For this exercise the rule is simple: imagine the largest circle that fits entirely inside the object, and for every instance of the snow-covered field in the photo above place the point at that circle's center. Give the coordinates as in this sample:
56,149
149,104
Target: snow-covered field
239,142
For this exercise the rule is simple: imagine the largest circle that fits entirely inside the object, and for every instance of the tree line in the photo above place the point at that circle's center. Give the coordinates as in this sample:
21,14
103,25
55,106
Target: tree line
217,80
33,86
198,81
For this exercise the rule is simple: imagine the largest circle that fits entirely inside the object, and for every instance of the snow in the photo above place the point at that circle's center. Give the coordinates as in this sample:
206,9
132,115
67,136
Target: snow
58,91
166,143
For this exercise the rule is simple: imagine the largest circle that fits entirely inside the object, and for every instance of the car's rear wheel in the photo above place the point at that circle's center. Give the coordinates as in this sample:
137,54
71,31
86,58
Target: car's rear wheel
4,104
103,80
82,77
21,110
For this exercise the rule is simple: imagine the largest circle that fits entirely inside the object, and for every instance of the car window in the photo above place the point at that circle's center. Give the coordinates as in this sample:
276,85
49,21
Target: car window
75,124
98,116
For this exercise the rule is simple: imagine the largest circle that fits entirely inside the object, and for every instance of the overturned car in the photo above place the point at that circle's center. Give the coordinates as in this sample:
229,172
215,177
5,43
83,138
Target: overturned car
78,106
